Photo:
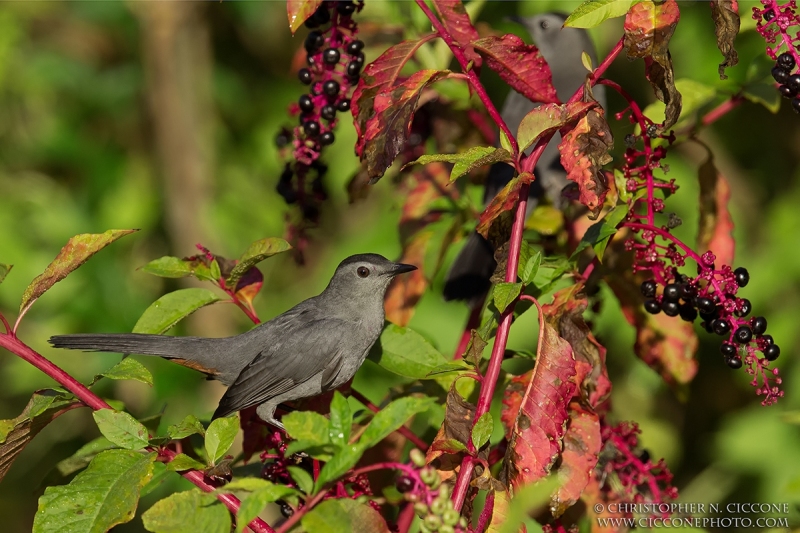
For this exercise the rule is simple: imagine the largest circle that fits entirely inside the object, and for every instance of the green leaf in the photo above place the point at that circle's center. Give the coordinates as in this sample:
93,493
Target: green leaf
303,479
340,463
405,352
599,234
127,369
467,161
168,267
100,497
83,456
504,142
341,420
256,252
504,294
451,446
312,429
342,514
458,365
183,462
121,428
248,484
172,308
594,12
392,417
529,262
482,430
546,119
188,426
219,437
188,512
4,270
763,94
255,502
76,252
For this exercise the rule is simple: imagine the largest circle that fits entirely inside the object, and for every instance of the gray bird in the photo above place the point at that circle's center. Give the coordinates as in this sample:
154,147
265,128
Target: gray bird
312,348
468,277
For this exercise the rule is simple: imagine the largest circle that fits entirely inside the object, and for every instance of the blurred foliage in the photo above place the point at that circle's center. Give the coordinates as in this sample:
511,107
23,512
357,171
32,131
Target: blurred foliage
78,155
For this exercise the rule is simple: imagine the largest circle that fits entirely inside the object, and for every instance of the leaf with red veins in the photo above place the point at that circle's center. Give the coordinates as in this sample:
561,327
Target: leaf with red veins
716,225
541,421
582,445
520,65
456,21
725,14
584,149
298,12
504,202
379,76
547,119
389,127
648,29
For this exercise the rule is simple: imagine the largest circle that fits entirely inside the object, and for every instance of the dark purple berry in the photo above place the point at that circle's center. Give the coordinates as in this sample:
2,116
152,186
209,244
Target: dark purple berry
772,352
320,16
330,56
311,128
796,105
310,61
328,112
314,42
743,335
759,325
306,103
305,76
652,307
345,8
331,87
728,349
355,47
670,308
744,308
786,61
327,138
648,289
358,58
688,313
768,339
769,15
794,82
644,456
705,305
344,106
780,75
735,362
672,292
282,139
787,92
742,276
353,69
404,484
687,292
286,510
720,326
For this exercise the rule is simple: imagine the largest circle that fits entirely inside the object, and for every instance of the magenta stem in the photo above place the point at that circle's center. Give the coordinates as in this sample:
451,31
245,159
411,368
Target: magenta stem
721,110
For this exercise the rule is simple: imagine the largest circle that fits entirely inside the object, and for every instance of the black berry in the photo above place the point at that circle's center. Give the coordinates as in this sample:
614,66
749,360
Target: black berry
305,76
327,138
314,42
310,60
687,292
727,349
648,289
670,308
735,362
344,106
355,47
768,339
672,292
404,484
705,305
794,82
345,8
353,69
306,103
720,326
331,87
772,352
759,325
742,276
652,307
328,112
796,105
286,510
330,56
743,335
282,139
688,313
787,92
744,308
311,128
320,16
786,61
780,75
644,456
358,58
769,15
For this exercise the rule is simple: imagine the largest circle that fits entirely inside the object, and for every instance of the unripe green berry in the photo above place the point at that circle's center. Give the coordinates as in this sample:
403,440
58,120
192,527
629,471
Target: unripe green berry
433,522
428,475
447,529
450,517
438,507
444,493
462,523
417,457
421,509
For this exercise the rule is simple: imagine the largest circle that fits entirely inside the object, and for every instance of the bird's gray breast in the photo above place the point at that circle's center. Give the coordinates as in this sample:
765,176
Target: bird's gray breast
351,355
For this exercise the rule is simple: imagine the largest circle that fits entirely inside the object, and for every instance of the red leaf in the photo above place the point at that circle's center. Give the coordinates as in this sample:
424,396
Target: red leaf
584,149
520,65
716,225
504,202
379,76
249,285
389,127
456,21
582,444
549,118
540,424
726,26
299,10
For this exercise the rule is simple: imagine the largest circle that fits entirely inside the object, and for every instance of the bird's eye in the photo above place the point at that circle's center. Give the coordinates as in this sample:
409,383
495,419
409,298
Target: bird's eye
362,272
544,24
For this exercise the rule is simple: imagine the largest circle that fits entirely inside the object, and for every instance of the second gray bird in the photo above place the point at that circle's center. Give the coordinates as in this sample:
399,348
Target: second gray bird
468,278
314,347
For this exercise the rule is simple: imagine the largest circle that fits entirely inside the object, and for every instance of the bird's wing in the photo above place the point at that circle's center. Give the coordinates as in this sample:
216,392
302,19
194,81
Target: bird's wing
301,350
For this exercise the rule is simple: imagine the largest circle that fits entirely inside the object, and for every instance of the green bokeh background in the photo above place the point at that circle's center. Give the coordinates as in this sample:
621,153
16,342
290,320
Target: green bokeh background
78,154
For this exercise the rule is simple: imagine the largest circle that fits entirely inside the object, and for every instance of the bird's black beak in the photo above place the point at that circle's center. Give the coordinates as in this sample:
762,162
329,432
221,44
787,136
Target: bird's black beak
401,268
515,18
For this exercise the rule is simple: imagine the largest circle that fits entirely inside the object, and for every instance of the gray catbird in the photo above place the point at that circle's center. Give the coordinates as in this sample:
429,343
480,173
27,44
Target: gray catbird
314,347
468,277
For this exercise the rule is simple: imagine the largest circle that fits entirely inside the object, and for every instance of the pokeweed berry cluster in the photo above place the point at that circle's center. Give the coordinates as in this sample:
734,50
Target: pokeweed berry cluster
773,22
423,487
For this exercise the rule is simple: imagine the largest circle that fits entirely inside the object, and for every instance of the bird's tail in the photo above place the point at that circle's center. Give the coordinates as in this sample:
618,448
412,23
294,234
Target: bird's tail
469,276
